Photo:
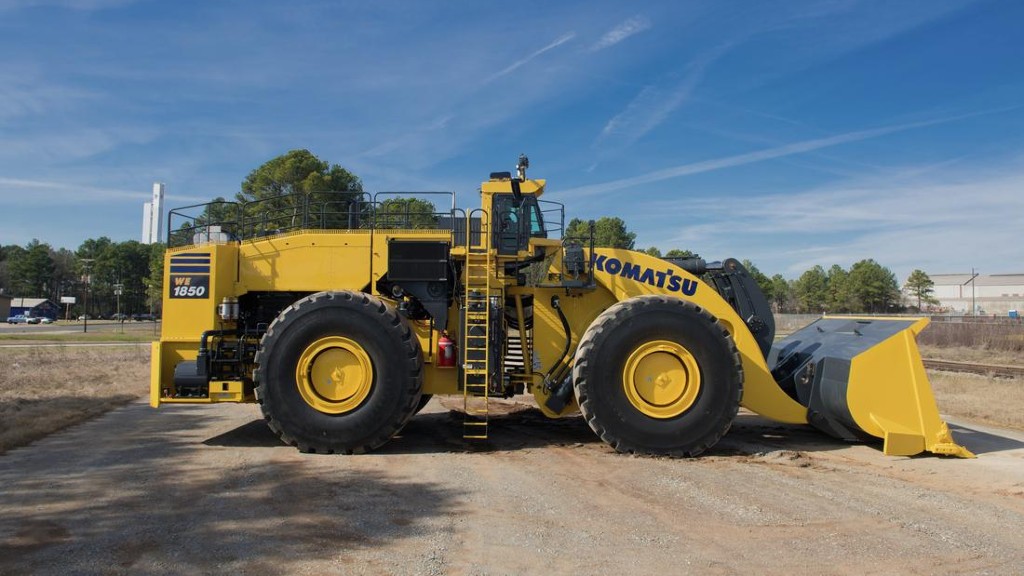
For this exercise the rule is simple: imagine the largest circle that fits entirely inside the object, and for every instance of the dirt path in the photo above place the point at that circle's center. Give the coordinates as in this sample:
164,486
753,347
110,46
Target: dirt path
200,490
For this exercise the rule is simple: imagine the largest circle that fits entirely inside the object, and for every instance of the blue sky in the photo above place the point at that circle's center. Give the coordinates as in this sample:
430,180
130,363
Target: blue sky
789,133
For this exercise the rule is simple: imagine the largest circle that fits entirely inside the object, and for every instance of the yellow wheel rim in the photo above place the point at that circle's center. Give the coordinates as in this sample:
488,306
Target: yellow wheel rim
334,375
661,379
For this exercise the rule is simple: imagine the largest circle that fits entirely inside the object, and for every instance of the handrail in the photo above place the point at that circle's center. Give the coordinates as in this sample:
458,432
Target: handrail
555,207
318,210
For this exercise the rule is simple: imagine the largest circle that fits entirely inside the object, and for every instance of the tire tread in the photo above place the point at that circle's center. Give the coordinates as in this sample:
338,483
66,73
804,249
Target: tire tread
390,320
613,316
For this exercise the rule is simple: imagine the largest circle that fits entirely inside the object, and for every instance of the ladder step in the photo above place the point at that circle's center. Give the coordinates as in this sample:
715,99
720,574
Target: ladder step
476,324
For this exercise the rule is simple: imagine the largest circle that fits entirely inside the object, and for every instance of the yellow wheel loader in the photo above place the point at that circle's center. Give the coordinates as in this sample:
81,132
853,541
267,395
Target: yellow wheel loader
342,314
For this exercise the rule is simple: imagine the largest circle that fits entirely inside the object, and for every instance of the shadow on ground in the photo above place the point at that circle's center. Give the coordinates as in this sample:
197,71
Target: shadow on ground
436,432
115,506
753,434
524,427
24,420
982,442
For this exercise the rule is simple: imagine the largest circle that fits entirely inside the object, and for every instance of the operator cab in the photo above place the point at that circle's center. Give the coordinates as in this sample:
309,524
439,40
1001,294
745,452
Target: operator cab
515,222
514,209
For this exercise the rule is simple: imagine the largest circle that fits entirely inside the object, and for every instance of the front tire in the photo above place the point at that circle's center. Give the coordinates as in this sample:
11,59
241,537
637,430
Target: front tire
658,375
338,372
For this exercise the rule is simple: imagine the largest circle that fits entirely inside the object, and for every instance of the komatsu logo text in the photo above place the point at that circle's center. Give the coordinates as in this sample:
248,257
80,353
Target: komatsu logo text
667,280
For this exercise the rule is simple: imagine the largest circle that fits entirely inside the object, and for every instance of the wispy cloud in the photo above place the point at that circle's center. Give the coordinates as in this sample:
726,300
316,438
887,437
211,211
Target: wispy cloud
645,112
75,143
83,5
407,137
520,63
630,27
930,223
761,155
21,192
24,92
654,104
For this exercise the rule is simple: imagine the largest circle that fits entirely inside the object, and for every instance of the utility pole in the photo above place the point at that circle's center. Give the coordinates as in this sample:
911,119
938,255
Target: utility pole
974,307
86,265
974,275
118,288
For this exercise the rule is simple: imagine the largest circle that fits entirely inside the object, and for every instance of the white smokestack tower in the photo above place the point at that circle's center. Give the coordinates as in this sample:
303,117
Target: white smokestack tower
152,216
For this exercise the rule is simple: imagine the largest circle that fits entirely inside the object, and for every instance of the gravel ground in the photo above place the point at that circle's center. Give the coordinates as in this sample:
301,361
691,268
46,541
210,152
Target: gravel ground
210,490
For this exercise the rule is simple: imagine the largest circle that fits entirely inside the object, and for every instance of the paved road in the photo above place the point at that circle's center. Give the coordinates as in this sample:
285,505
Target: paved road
95,326
210,490
76,345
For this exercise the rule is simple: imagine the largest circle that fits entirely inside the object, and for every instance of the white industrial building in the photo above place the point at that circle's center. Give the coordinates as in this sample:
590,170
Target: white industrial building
153,216
984,294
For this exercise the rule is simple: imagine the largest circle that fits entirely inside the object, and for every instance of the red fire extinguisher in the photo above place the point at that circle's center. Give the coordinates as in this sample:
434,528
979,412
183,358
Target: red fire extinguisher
445,351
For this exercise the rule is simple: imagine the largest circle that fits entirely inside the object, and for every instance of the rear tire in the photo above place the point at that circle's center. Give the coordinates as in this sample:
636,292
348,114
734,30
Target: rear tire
338,372
658,375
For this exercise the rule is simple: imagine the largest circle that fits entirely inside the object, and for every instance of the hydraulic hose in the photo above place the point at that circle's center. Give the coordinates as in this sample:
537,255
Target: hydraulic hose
568,342
560,395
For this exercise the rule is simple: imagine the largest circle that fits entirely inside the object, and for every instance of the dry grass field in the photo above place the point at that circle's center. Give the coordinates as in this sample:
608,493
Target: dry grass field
984,399
998,401
45,389
994,335
973,355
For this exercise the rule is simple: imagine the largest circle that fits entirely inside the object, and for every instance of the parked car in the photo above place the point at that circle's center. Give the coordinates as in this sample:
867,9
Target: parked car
84,317
119,317
47,320
22,319
143,317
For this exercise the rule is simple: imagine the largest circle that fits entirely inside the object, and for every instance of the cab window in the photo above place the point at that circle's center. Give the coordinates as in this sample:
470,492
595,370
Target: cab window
534,217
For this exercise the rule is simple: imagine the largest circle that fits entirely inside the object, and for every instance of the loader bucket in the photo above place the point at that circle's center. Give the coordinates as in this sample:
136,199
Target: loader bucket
861,378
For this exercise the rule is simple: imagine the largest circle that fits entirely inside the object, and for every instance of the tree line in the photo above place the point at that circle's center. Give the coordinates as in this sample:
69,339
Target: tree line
102,272
866,287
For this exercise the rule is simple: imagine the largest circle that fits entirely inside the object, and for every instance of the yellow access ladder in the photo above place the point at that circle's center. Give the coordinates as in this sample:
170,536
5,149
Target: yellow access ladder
476,336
